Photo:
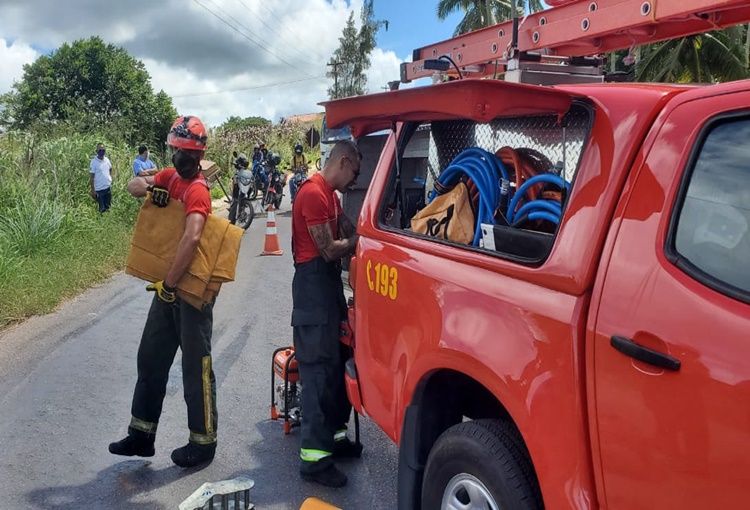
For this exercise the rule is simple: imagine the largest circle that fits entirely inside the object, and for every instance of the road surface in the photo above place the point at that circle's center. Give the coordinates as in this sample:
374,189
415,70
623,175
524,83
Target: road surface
66,381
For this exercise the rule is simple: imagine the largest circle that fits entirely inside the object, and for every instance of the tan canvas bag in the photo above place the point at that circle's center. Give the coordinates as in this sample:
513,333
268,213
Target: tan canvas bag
448,216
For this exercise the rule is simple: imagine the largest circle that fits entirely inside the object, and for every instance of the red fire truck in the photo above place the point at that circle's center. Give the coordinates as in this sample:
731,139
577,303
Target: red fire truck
582,340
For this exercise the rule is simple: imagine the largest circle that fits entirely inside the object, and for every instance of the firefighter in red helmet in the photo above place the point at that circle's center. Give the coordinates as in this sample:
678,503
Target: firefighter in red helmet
173,323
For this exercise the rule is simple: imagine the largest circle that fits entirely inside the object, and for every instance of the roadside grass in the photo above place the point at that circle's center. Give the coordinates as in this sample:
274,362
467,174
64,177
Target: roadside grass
53,241
37,283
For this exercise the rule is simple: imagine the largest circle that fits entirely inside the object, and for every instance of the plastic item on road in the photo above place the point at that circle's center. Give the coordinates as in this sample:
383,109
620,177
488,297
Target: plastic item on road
317,504
271,246
234,493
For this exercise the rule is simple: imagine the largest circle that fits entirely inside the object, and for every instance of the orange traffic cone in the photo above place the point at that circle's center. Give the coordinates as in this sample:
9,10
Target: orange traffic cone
271,246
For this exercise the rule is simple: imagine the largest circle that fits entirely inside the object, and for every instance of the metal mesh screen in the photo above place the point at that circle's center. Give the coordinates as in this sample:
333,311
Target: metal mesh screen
562,143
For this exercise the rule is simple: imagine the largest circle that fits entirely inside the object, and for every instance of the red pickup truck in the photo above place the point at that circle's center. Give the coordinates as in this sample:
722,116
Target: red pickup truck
589,351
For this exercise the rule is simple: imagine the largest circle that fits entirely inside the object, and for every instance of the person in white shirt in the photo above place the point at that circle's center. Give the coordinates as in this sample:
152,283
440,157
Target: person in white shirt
100,179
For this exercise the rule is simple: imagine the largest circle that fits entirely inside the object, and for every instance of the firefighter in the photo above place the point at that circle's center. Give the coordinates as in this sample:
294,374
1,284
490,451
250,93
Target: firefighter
321,236
173,323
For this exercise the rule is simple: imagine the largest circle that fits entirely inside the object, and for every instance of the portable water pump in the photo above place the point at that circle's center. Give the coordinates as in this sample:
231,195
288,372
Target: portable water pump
287,392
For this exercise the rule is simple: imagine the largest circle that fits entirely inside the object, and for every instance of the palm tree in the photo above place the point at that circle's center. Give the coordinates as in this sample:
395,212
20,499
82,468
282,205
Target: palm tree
706,58
483,13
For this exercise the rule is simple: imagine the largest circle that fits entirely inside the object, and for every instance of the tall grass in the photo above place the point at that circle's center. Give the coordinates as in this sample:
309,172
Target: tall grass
53,241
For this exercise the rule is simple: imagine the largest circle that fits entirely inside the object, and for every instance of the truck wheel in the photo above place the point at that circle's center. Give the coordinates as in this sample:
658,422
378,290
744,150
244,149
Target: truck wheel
480,464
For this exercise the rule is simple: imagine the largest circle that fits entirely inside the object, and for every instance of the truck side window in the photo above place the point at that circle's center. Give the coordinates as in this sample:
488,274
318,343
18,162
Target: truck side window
500,187
712,238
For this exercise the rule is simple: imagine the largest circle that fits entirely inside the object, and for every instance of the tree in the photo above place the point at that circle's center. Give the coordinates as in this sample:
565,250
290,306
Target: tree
705,58
483,13
94,86
234,123
352,58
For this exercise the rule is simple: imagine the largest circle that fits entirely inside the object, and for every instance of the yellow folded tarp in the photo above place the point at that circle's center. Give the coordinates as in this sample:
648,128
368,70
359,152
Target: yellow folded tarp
158,232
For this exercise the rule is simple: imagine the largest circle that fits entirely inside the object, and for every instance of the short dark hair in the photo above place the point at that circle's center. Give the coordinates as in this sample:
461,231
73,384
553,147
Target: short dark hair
142,149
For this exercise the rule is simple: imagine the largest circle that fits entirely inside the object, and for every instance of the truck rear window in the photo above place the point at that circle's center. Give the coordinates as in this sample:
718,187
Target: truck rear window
500,187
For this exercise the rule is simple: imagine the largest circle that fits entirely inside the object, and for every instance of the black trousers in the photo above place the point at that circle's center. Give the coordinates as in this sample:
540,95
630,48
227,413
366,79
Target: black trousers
318,308
168,327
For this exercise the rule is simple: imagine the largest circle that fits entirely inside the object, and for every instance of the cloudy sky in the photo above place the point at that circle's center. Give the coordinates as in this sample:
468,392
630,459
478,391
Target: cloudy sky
218,58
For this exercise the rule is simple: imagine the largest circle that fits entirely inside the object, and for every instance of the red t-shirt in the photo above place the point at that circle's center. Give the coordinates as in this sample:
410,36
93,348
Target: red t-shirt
316,203
192,193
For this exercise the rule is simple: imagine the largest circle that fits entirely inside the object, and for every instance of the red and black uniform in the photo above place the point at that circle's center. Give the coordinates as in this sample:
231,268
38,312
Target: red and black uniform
178,325
319,307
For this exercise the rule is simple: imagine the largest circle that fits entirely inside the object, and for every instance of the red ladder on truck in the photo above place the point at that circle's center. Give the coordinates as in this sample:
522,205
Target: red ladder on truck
578,29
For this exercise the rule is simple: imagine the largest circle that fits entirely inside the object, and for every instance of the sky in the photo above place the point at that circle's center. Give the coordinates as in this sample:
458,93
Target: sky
219,58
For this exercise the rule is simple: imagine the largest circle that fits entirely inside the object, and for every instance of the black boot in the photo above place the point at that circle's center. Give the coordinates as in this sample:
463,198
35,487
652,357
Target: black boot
194,454
136,443
347,449
323,472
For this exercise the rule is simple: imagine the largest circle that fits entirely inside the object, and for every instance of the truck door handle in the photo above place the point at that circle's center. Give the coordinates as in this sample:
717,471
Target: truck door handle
641,353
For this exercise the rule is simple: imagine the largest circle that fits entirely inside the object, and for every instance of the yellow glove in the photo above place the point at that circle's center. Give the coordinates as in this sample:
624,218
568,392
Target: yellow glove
165,293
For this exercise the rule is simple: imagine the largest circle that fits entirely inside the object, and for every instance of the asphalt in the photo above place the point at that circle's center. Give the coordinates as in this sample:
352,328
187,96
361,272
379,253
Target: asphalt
66,381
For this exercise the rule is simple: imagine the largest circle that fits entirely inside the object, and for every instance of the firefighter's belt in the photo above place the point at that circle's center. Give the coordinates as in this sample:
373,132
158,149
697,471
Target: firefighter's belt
157,234
448,217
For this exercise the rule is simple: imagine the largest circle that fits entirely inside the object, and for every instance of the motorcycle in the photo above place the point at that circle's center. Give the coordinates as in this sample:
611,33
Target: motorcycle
275,190
260,178
241,212
300,176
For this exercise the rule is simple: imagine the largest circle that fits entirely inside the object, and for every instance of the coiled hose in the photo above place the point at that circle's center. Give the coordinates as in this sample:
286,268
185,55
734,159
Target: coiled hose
541,209
485,170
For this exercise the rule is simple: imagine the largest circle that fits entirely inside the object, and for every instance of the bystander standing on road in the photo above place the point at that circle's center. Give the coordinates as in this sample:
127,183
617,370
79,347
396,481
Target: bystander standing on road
100,179
142,165
321,236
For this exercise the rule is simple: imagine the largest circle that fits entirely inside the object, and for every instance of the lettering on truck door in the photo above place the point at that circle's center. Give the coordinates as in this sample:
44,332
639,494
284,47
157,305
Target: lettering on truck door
671,346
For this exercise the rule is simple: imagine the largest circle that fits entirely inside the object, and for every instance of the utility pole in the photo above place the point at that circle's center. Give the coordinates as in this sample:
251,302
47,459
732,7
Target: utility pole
335,65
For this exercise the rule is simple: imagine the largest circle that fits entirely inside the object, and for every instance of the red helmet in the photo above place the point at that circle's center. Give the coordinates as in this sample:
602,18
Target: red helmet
187,133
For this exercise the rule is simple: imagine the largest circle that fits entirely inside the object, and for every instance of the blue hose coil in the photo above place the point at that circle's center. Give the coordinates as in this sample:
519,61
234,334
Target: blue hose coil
485,171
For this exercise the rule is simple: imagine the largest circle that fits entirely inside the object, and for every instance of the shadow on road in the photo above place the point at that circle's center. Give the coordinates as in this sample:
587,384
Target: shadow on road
113,487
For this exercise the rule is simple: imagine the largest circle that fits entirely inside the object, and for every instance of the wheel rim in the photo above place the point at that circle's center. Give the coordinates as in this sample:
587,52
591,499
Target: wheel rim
245,214
466,492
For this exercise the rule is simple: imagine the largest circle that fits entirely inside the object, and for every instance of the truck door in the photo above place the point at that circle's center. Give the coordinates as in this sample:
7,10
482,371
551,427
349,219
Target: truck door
670,346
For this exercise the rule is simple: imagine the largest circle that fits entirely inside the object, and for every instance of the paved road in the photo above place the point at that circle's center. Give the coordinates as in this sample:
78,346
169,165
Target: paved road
66,380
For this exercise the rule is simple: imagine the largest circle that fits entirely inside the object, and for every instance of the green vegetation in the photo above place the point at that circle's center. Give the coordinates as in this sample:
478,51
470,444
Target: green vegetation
352,57
484,13
92,87
234,122
53,242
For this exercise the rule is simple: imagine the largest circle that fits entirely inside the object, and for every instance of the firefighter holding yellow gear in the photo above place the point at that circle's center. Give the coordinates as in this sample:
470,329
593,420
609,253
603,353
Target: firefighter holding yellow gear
173,323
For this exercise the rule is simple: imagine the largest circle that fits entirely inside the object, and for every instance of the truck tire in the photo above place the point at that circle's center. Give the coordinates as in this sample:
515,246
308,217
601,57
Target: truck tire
480,464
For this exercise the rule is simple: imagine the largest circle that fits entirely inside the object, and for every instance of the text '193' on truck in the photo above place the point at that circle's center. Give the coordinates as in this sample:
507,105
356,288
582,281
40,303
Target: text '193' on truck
551,289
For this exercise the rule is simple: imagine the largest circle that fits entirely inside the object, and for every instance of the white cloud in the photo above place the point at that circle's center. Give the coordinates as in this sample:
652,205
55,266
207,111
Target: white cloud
385,66
12,58
198,59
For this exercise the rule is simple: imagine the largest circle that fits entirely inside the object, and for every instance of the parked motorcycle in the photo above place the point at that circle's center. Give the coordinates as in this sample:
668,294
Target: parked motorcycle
241,212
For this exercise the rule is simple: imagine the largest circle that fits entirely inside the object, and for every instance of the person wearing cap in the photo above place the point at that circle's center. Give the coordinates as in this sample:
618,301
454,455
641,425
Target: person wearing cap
142,165
173,323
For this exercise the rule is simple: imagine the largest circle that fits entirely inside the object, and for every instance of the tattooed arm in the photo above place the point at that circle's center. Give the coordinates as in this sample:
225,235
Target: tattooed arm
346,229
329,248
